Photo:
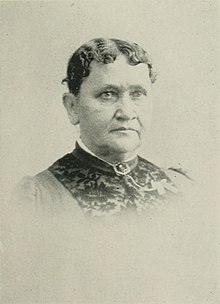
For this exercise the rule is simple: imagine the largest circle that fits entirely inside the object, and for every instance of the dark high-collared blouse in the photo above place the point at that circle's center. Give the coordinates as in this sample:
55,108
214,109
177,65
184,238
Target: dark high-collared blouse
87,185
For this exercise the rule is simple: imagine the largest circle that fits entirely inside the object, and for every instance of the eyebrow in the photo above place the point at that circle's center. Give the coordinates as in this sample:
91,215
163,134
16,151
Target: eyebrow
138,87
106,87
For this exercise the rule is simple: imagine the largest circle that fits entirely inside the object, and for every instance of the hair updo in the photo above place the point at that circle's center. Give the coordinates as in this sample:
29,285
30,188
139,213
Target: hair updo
105,51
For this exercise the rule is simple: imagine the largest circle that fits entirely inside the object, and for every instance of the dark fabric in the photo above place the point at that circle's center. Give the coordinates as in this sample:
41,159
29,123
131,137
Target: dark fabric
99,189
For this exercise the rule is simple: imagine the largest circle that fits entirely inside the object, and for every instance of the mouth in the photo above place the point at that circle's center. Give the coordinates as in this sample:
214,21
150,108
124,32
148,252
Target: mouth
124,130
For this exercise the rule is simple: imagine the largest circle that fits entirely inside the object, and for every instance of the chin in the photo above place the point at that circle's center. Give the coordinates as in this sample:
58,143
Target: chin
125,146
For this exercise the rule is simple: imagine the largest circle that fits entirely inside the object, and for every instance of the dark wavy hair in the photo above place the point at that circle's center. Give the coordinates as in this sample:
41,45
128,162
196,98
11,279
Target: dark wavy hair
105,51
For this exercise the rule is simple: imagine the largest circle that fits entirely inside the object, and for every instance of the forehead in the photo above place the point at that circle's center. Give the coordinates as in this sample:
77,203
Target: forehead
120,72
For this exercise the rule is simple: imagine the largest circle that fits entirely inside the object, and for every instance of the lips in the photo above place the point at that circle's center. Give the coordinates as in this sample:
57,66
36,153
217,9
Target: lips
124,129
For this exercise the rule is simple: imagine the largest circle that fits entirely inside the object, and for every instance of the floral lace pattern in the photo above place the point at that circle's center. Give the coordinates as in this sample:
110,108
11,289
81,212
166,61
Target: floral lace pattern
100,191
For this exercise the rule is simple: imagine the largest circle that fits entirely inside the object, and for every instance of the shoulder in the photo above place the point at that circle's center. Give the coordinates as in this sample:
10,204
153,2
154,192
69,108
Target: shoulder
66,161
180,177
41,193
177,172
26,187
151,168
23,196
30,185
176,175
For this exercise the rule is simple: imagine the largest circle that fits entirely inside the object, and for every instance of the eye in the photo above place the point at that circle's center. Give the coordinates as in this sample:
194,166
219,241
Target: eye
137,94
108,95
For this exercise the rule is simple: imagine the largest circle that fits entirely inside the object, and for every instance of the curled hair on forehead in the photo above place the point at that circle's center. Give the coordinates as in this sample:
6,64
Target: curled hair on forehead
105,51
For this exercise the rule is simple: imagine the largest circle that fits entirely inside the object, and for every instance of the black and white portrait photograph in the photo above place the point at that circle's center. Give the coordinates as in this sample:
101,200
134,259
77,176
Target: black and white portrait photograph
109,152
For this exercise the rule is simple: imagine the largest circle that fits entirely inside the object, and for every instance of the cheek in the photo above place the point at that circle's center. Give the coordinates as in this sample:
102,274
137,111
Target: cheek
145,115
95,117
87,113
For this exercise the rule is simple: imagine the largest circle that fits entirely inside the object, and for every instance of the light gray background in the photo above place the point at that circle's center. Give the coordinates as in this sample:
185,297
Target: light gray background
40,36
38,39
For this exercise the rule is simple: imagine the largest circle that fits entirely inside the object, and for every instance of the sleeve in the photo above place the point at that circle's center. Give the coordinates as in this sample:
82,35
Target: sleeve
20,237
181,179
41,195
35,195
24,196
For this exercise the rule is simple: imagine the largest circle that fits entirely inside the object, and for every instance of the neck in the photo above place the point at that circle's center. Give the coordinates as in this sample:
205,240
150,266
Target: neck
108,155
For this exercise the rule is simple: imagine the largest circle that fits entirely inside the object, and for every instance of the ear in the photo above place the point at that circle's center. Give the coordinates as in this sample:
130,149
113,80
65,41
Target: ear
70,102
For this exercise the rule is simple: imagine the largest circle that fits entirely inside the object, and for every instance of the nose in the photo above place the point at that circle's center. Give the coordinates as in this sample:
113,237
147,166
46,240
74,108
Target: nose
125,109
